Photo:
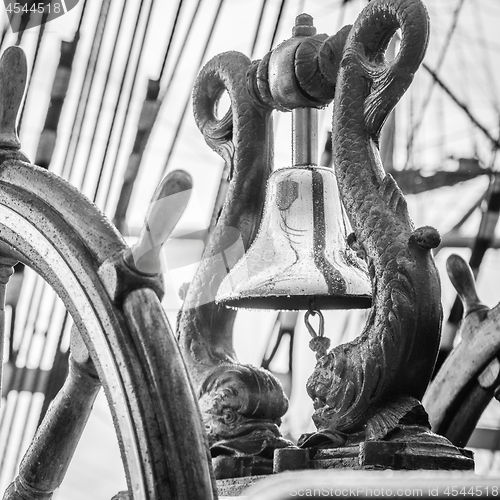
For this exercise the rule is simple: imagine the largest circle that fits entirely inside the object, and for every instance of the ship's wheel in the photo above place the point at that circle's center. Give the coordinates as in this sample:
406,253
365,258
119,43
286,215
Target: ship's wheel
121,338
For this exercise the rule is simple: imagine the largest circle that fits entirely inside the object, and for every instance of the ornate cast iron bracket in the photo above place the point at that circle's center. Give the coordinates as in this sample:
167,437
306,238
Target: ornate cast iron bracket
368,391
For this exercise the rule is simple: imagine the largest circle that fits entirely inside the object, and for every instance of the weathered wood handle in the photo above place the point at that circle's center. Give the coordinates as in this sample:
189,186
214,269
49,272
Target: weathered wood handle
166,208
462,279
13,76
468,378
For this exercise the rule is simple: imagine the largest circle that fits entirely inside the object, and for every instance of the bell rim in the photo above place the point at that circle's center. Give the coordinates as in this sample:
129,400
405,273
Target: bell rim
297,302
301,167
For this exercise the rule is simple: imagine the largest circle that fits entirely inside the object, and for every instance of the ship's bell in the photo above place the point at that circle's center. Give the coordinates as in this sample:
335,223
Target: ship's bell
300,258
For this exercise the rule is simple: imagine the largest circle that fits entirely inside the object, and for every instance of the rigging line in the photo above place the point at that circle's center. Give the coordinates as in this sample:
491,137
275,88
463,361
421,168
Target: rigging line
4,32
24,20
150,111
164,93
14,350
40,355
170,39
285,324
127,109
48,135
16,345
41,32
494,153
120,90
32,286
226,173
186,103
441,126
463,219
14,21
278,21
17,381
464,84
411,121
342,15
257,31
490,45
10,335
461,105
491,78
145,123
59,370
85,89
82,14
440,61
104,93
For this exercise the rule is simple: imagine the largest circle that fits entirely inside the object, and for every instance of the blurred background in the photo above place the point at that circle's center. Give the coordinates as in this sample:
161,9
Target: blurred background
108,108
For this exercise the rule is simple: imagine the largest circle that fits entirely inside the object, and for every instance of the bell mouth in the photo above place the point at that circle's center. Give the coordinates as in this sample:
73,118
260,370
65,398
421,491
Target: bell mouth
298,302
